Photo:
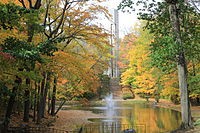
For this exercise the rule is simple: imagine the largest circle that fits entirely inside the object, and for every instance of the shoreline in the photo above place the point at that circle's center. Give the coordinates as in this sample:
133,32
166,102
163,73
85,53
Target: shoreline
70,120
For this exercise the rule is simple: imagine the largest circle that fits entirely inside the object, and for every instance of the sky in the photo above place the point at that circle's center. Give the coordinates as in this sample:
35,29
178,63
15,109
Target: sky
126,20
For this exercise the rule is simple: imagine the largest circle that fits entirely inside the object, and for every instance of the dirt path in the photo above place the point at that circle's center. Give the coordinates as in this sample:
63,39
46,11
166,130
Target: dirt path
73,119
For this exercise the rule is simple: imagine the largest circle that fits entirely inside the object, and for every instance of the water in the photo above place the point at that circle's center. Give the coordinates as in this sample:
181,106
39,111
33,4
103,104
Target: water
121,115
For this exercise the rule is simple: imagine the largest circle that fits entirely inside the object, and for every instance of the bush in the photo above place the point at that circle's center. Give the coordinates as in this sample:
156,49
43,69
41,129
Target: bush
195,101
104,88
89,95
145,96
128,96
197,122
175,99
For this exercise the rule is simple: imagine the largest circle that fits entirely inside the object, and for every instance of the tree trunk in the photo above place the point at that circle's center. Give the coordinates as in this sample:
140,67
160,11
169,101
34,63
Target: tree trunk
47,86
60,106
49,102
53,100
41,102
182,68
27,101
34,102
38,103
11,102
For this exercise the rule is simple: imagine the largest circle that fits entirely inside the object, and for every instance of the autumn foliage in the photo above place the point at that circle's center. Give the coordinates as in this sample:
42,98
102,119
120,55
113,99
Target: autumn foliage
50,52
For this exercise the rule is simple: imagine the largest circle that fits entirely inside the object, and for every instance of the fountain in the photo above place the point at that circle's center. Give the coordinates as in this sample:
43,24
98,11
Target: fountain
109,101
109,108
131,117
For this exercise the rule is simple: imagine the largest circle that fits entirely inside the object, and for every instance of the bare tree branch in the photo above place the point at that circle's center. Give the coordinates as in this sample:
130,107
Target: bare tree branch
30,4
195,6
66,6
37,4
22,2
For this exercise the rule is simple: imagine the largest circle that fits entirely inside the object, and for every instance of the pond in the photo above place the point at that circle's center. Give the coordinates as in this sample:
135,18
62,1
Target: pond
140,116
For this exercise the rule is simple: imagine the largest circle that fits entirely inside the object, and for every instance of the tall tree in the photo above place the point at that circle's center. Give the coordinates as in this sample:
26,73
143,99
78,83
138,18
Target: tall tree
171,22
181,64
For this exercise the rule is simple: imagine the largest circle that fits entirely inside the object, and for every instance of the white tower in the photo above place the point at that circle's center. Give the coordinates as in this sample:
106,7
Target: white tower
116,42
113,70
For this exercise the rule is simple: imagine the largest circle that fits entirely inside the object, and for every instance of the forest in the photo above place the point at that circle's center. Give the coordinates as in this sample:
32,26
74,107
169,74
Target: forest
49,52
56,50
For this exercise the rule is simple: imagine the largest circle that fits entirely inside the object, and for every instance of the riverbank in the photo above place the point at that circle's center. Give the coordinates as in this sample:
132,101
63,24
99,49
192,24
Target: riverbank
73,119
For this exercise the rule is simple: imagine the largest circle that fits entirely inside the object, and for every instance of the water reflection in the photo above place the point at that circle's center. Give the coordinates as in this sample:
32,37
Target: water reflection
154,119
142,117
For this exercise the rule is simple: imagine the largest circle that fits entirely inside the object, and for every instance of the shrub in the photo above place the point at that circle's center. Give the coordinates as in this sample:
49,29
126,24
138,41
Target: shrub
128,96
197,122
175,99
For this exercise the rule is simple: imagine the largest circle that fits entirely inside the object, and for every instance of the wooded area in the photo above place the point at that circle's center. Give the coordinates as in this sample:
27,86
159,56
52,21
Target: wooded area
49,51
170,47
57,50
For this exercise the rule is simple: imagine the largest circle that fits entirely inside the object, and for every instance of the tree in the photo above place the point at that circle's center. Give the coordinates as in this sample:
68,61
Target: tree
182,68
28,43
172,38
139,74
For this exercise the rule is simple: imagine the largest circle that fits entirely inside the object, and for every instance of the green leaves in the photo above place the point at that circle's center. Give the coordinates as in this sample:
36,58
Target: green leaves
28,52
16,17
20,49
4,90
125,3
33,75
49,46
194,84
164,50
163,53
9,16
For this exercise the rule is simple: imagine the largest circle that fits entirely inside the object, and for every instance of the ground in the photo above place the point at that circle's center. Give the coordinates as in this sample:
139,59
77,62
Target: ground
73,119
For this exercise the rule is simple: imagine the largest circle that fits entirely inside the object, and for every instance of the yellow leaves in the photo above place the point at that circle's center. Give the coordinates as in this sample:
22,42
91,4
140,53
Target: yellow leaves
76,73
85,56
125,77
139,74
167,91
11,33
144,91
145,81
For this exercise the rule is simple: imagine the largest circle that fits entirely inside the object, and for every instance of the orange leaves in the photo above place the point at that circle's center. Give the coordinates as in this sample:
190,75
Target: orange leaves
101,10
83,56
76,73
8,1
